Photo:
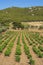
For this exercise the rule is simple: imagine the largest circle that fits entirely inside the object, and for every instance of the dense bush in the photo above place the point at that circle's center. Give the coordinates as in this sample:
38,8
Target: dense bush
17,25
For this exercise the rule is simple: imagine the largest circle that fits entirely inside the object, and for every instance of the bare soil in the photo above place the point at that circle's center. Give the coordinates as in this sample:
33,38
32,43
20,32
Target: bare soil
33,23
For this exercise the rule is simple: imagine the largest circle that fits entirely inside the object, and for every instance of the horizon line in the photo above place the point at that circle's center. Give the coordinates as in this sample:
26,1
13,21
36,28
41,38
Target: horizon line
20,7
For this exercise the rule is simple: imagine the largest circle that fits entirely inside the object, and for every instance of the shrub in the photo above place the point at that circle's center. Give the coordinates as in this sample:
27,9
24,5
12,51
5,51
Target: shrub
29,56
40,55
18,50
17,58
32,62
7,52
41,48
0,49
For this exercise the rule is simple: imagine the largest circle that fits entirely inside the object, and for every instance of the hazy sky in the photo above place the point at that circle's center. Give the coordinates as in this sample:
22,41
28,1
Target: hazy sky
20,3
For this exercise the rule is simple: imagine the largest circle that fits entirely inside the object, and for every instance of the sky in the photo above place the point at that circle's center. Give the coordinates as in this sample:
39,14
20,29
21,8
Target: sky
20,3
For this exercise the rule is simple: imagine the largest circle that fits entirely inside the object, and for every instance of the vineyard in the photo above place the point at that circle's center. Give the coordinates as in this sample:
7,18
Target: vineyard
21,48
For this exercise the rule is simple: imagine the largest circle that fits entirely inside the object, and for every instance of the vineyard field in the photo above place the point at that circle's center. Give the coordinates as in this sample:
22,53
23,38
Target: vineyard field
21,48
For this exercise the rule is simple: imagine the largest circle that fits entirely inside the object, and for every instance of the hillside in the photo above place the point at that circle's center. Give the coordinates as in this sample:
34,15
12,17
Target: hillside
18,15
21,14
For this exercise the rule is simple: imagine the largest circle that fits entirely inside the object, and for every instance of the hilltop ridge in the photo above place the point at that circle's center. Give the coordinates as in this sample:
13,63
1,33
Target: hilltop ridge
21,14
